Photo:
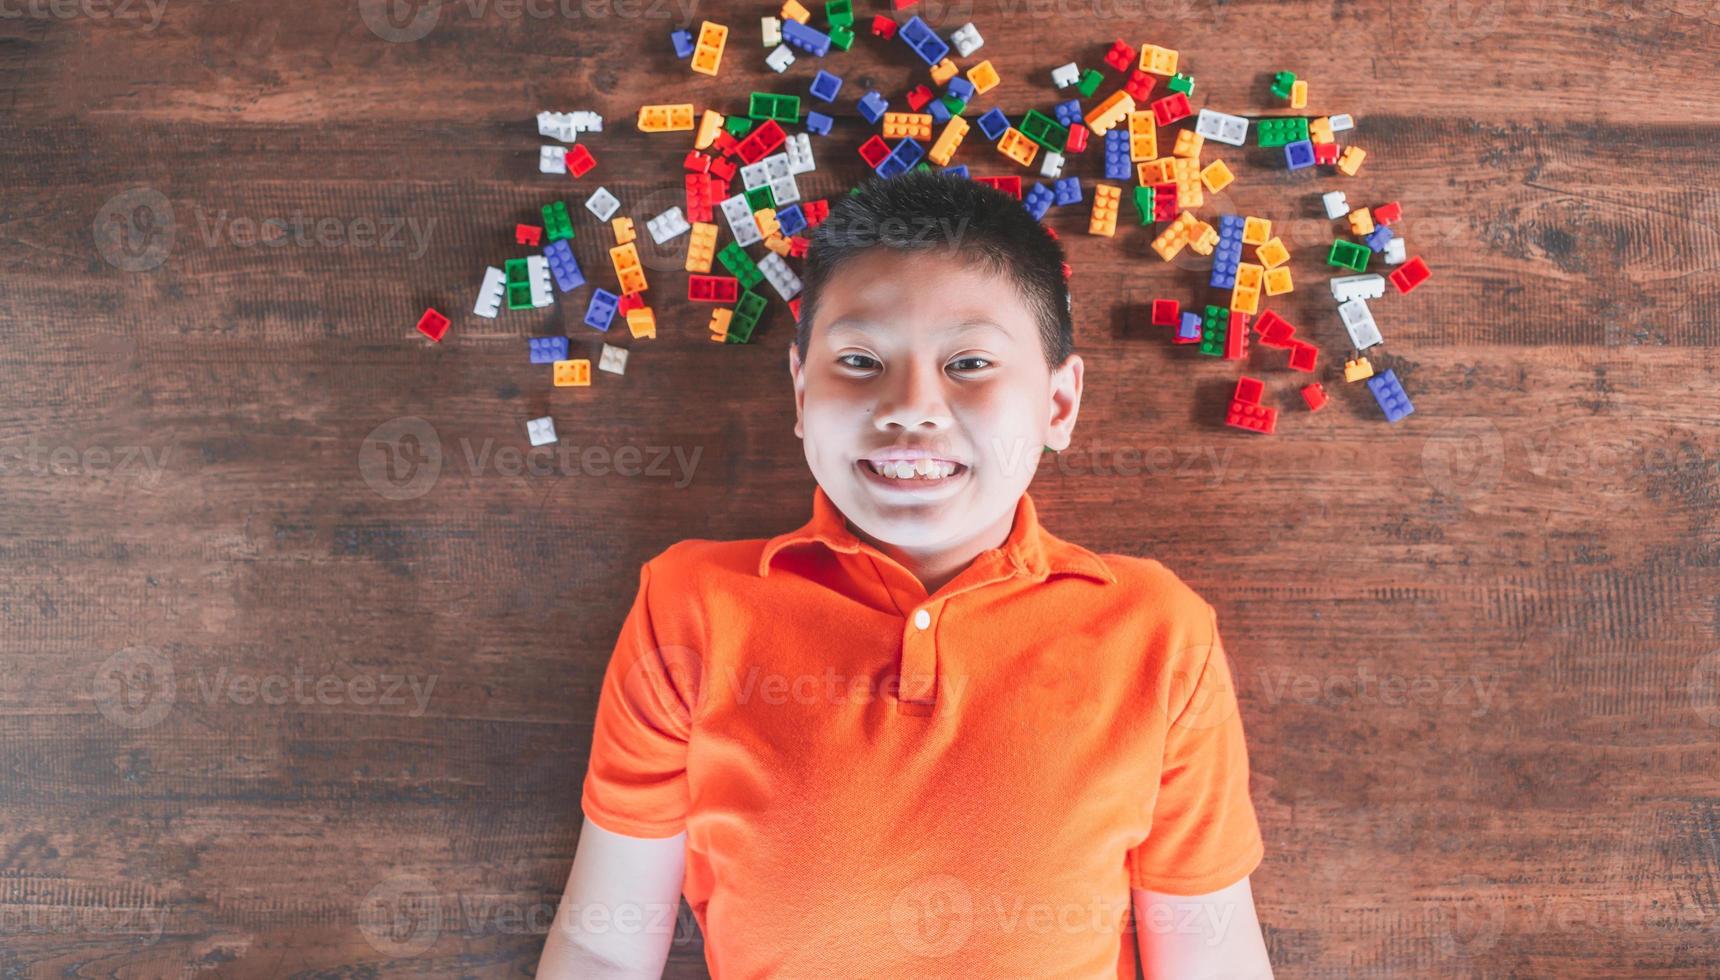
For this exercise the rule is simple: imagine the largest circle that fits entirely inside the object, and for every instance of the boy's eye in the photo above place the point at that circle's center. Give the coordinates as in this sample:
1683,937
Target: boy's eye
980,361
847,360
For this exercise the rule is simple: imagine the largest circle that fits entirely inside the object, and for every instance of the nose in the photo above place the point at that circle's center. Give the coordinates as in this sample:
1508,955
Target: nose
913,400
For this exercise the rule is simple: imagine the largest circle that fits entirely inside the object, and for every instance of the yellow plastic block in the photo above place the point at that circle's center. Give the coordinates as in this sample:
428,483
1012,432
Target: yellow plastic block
623,227
1017,147
1249,275
1245,300
1175,236
720,318
1273,254
625,258
1159,61
1190,194
701,247
708,51
1204,239
777,242
572,374
1351,160
666,118
710,124
1143,137
1299,94
984,77
1358,369
642,323
1255,231
948,141
1216,176
1320,130
792,10
1278,281
1110,112
944,70
1160,171
765,218
1106,198
1189,143
914,125
1361,222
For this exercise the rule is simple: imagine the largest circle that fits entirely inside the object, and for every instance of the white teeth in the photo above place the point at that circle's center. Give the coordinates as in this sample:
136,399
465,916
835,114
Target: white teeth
923,469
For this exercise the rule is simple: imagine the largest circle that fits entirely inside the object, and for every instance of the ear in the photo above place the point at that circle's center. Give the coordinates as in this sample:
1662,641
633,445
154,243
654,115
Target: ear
1065,402
797,374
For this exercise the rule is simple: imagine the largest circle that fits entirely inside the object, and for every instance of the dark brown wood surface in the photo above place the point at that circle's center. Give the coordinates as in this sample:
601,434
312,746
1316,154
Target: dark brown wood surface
1478,651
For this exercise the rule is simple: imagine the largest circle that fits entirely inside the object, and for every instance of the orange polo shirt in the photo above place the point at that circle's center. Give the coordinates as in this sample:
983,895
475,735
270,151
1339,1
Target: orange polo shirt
879,782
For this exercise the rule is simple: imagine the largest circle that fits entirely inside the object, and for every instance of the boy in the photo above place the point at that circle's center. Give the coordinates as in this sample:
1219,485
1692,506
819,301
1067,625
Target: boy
920,735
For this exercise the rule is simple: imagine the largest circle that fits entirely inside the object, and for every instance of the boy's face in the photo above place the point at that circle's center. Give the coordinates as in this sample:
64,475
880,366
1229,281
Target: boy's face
923,361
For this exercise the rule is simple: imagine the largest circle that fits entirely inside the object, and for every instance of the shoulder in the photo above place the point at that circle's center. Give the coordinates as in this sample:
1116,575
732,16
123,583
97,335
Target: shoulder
1156,590
695,563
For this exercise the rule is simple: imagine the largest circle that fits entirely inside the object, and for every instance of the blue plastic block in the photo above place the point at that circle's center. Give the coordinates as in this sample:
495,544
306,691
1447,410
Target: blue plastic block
600,312
1069,113
548,350
825,86
960,88
1038,200
817,123
873,106
1299,155
1379,238
792,220
1189,328
959,170
918,36
910,151
1390,394
1117,163
993,124
1068,191
1227,256
563,265
814,42
939,112
683,42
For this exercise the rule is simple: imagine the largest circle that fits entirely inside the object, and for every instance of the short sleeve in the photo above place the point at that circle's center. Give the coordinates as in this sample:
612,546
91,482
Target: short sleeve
1204,834
636,782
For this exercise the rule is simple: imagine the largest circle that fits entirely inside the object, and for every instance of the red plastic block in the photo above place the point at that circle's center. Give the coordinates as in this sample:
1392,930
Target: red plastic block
696,162
579,160
1166,312
1067,270
1140,85
1303,356
1326,154
528,235
918,96
1077,141
1275,331
725,143
883,27
1008,185
874,150
761,142
630,301
1121,56
797,246
1387,214
1171,108
713,289
904,4
1236,339
816,212
1053,233
433,325
794,308
723,170
1252,417
1165,201
1249,390
1315,396
1410,275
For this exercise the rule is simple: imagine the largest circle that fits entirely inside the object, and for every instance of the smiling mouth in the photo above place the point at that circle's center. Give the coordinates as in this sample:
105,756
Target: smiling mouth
908,472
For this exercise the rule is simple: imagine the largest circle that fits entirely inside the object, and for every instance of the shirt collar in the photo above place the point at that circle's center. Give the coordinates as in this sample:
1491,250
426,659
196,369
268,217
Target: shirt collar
1033,551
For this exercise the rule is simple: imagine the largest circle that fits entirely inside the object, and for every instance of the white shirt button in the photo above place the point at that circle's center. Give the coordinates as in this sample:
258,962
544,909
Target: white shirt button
922,619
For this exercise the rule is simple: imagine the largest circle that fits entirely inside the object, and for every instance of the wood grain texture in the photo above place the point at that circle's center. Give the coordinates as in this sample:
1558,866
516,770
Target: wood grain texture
1478,652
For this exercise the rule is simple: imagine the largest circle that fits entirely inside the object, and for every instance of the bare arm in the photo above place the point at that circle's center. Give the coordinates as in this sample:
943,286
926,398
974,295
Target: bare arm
617,915
1201,937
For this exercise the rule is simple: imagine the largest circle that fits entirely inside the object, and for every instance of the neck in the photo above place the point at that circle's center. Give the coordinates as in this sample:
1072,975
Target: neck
938,566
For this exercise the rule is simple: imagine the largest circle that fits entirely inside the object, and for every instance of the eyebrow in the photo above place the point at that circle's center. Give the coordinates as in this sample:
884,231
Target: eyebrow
862,325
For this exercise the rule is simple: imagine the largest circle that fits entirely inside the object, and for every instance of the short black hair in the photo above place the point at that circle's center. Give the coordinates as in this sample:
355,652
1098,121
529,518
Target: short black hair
925,210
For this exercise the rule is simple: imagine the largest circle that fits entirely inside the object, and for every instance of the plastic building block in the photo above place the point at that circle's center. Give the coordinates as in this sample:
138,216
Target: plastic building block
580,161
600,311
537,281
1245,296
1229,252
740,265
1068,191
1395,251
1051,165
1038,200
1335,205
540,432
1379,238
1299,155
1166,312
1349,255
1143,136
839,13
1410,275
556,224
808,39
1245,410
1222,127
1188,144
552,159
1325,154
780,276
528,235
713,289
1044,130
1017,147
1110,112
1079,136
668,225
1351,160
983,77
1274,330
1121,56
1388,214
740,218
1361,221
433,325
1181,83
948,141
1159,61
1008,185
1216,176
959,170
1236,337
1342,123
1067,113
1299,95
623,229
1320,129
1357,369
547,350
1273,254
1171,108
1117,155
780,59
519,284
1166,207
683,43
1139,85
1368,286
1278,281
770,31
874,151
666,118
1281,82
1214,330
818,123
642,323
1359,322
911,125
489,302
993,124
563,266
1175,237
612,359
796,11
1107,199
923,41
1064,76
1280,130
825,86
791,220
966,39
1203,239
1188,328
1303,356
768,105
1390,394
1314,396
625,259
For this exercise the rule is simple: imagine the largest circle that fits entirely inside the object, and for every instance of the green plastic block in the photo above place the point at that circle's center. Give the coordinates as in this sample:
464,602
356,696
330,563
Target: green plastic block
1349,255
1281,83
1181,83
842,38
782,108
1144,203
519,284
740,265
748,309
1279,130
1214,330
1044,130
760,197
1089,83
954,105
840,13
556,224
738,125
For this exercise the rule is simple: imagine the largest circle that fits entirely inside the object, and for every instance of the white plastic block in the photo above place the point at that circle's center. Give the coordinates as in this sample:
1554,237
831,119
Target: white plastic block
1365,286
537,276
966,39
1064,76
557,126
1395,253
490,293
780,276
587,122
552,159
602,204
541,432
1051,165
1342,122
784,191
754,175
668,225
740,218
771,28
1359,321
1222,126
612,359
1336,206
799,150
779,59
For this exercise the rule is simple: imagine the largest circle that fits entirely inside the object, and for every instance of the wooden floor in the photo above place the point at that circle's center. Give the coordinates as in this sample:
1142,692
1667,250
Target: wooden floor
279,697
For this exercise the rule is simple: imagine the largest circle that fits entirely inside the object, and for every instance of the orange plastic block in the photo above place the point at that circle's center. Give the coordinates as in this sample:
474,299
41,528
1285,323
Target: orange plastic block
1278,281
1203,239
1160,171
1255,231
708,50
1175,236
625,258
1320,130
1110,112
1159,61
1143,136
642,323
777,242
765,219
1361,222
1216,176
948,141
1016,146
1299,94
1188,145
720,318
666,118
912,125
943,71
623,227
701,247
1358,369
793,10
710,124
1273,254
984,77
1351,160
1106,198
571,374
